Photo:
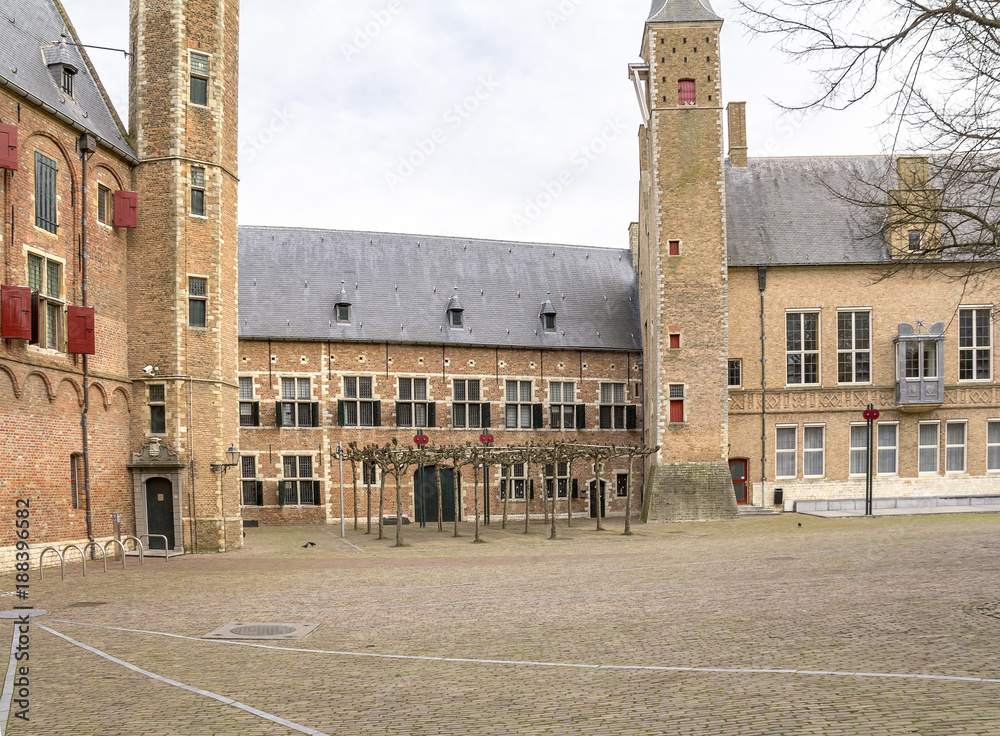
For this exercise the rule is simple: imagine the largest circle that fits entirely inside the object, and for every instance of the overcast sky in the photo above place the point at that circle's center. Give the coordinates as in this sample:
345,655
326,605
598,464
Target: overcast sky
455,117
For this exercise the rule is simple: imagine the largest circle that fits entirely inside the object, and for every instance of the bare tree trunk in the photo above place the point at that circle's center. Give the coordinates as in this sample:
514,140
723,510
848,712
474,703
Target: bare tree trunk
545,495
527,495
399,509
456,484
368,493
569,493
437,492
381,507
354,475
628,498
475,495
598,495
555,495
507,493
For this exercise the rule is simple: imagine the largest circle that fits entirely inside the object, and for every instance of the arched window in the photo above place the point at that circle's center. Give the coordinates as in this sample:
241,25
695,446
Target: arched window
686,92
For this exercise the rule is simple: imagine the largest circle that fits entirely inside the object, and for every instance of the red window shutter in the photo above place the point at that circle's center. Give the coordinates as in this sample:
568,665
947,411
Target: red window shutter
676,411
686,92
675,342
15,312
675,247
126,214
8,147
80,330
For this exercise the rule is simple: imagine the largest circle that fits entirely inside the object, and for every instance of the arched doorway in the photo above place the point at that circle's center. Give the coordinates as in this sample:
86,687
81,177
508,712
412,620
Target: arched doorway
160,511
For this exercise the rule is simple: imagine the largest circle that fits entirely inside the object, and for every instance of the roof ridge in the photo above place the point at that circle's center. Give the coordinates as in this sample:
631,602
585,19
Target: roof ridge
460,238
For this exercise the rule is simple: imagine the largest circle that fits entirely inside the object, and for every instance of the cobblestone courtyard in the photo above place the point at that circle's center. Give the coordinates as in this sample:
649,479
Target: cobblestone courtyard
759,626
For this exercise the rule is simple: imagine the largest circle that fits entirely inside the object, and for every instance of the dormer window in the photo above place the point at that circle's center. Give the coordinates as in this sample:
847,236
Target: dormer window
456,313
548,316
67,80
343,308
915,241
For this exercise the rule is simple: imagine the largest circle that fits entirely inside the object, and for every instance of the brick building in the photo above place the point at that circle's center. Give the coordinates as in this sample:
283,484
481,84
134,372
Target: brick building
746,263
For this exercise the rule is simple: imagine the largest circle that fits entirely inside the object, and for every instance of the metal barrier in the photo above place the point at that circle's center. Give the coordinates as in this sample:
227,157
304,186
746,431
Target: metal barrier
138,546
82,556
121,546
62,562
166,549
104,552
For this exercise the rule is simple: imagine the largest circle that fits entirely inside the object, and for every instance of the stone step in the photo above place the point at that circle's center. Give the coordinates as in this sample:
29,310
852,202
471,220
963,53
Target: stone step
756,511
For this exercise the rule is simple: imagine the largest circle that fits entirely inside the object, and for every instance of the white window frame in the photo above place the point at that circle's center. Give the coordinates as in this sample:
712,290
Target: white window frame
879,449
794,451
821,451
990,445
803,352
852,448
975,348
47,302
854,350
965,447
936,447
729,372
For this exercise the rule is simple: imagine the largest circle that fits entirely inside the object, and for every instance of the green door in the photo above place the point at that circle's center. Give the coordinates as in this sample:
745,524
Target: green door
425,495
160,512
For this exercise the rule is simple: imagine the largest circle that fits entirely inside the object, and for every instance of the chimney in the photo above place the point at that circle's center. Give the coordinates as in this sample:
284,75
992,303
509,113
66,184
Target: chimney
737,112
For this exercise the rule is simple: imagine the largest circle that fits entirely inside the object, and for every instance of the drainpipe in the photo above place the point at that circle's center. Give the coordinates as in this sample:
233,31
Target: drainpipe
762,284
88,145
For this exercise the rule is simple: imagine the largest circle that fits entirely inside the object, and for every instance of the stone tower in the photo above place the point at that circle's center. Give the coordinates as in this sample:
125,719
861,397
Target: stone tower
682,263
183,270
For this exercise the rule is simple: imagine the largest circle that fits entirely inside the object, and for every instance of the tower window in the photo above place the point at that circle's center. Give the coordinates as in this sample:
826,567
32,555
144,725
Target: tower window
677,403
197,191
675,341
916,241
67,81
197,301
45,192
735,373
157,409
686,92
199,79
674,248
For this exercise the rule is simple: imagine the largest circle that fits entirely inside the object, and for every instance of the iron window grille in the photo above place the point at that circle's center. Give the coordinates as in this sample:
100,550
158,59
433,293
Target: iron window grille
157,408
197,301
557,479
45,193
614,414
413,409
519,411
677,407
975,346
562,405
253,489
249,407
519,479
298,487
296,408
467,411
358,408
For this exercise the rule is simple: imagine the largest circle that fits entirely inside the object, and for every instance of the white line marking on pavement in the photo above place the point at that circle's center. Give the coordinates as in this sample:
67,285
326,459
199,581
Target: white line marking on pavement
189,688
528,663
8,683
337,536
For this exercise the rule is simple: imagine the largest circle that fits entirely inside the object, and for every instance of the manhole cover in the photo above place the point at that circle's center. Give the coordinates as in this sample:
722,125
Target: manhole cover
987,609
263,630
258,630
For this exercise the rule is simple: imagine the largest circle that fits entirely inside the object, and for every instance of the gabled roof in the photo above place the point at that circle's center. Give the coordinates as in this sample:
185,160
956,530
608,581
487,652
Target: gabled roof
400,287
30,32
785,211
681,11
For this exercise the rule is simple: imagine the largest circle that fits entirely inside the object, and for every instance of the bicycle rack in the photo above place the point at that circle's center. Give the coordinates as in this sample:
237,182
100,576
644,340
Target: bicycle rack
166,549
82,556
121,547
104,552
62,562
138,546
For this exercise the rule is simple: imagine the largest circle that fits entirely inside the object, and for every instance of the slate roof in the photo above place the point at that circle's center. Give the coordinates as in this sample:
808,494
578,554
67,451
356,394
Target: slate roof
787,211
26,28
400,287
681,11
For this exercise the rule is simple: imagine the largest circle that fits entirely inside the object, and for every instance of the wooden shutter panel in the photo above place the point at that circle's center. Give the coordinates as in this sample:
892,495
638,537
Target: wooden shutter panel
432,415
377,414
277,414
8,147
341,413
260,493
677,411
80,330
126,209
15,312
35,316
631,417
315,414
281,493
536,416
484,415
397,414
255,414
316,496
531,489
576,488
581,416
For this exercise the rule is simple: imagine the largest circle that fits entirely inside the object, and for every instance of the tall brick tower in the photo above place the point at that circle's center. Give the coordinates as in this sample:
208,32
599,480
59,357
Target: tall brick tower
183,270
682,263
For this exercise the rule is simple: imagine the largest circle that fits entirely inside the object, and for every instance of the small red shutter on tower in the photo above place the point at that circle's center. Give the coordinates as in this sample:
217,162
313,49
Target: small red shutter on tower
677,411
685,92
8,147
675,342
15,312
80,330
126,214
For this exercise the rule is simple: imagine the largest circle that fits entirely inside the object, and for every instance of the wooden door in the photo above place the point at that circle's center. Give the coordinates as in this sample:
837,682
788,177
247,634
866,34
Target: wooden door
160,512
738,471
